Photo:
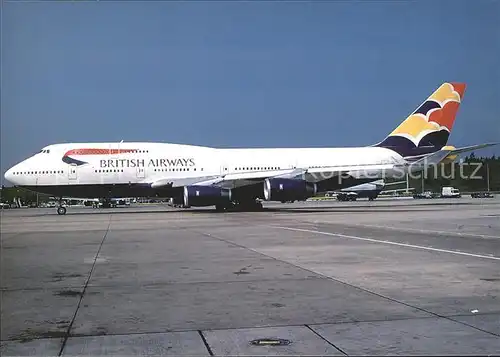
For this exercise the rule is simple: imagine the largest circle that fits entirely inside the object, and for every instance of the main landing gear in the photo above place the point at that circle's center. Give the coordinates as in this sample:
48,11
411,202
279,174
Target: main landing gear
108,203
239,206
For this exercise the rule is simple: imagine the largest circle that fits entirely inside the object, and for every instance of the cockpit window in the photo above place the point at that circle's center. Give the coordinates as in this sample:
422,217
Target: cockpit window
45,151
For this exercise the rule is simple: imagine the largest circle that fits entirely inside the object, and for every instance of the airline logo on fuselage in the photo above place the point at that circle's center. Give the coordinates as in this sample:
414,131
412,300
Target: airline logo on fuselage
124,162
164,162
89,151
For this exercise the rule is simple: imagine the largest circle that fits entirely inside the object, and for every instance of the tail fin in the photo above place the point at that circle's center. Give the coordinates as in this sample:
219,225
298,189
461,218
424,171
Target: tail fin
428,128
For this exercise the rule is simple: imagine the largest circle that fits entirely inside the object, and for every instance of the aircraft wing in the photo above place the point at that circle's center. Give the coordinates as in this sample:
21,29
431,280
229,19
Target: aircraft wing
397,190
231,180
356,171
234,180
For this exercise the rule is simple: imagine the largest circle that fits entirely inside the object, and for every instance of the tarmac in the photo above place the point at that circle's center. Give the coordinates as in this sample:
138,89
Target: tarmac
388,277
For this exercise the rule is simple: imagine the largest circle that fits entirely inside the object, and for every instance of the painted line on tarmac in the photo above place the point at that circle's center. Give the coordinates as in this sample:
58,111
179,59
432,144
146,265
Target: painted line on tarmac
389,242
417,230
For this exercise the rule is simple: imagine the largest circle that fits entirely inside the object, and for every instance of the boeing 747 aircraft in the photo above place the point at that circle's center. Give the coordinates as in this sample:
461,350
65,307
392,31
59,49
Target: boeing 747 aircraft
239,178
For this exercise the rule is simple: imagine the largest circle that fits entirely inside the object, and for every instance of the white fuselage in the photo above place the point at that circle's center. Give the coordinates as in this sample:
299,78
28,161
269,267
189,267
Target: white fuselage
140,162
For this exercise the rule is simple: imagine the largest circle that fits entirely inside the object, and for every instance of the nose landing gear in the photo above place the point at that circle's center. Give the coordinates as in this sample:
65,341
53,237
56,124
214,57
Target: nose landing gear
61,210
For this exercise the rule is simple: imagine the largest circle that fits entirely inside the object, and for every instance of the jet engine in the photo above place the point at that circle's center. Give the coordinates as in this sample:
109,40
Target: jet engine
278,189
198,196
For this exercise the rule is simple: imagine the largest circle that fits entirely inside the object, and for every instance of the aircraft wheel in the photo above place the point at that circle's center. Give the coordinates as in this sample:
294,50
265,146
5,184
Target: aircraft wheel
254,206
220,208
61,210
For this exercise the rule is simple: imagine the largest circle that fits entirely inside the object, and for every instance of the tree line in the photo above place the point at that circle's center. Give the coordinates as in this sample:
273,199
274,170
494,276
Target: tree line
28,198
471,174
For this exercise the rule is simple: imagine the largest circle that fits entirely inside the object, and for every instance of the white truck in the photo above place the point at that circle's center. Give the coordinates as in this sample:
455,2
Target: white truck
450,192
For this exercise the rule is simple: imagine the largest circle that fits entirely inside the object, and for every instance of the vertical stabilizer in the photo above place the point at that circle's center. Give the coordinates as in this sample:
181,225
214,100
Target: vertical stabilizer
428,128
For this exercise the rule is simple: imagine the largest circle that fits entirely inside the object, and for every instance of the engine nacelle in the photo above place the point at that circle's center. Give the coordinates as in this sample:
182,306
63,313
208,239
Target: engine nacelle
198,196
278,189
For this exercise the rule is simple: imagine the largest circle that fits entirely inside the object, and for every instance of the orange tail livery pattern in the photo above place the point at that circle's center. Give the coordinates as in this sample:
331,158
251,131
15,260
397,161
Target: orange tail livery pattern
428,128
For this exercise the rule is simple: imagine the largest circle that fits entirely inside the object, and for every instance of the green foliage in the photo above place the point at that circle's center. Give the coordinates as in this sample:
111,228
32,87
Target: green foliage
8,194
468,176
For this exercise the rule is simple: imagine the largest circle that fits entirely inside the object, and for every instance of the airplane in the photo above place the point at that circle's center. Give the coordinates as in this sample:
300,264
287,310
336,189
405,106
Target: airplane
370,190
240,178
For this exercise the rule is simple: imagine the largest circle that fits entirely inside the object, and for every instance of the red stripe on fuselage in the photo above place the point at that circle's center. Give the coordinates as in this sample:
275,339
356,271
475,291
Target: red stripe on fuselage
99,151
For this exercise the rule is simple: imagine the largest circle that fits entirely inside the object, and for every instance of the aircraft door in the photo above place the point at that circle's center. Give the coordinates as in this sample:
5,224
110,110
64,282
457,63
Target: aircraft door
141,172
72,172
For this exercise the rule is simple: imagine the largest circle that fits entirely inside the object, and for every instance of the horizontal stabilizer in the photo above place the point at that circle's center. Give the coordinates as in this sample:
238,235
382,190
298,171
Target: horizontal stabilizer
471,148
444,153
429,160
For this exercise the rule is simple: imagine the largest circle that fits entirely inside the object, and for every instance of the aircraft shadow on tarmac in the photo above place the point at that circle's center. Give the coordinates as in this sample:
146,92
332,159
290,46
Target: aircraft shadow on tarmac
434,206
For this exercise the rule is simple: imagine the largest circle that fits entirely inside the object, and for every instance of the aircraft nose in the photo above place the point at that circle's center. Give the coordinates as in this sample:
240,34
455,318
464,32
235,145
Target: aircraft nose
9,175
